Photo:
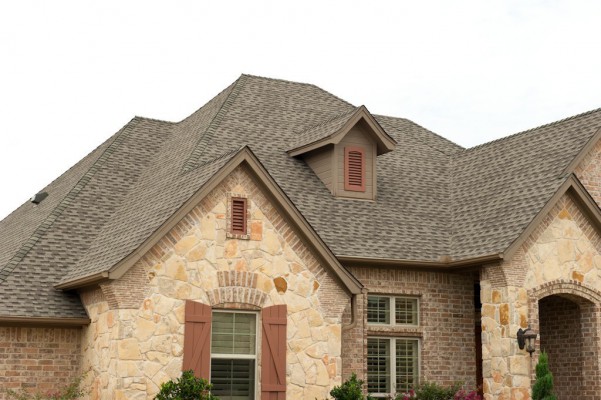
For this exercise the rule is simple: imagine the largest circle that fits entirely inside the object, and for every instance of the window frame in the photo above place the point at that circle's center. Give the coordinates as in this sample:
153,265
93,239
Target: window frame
392,310
392,367
233,356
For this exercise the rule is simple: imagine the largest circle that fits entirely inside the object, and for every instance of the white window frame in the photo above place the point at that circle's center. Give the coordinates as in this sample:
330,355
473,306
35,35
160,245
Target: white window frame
392,310
241,356
392,360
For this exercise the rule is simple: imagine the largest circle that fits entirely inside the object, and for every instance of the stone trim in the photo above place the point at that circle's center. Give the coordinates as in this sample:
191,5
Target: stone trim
237,294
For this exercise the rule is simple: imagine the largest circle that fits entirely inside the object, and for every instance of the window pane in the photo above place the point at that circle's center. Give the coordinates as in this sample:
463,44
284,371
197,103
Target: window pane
378,310
233,379
378,365
233,333
405,311
406,364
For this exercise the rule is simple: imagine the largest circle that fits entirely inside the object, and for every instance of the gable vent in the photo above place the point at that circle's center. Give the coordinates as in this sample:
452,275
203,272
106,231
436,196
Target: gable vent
238,215
354,169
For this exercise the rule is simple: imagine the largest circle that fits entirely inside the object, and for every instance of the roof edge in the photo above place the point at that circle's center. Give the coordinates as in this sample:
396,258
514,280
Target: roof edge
244,155
571,183
44,322
385,143
590,144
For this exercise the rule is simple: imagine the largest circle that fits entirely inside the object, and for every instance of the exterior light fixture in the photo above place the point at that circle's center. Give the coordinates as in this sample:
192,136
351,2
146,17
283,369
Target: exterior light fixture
526,338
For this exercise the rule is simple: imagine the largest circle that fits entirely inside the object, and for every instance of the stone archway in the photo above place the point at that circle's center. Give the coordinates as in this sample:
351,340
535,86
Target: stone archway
568,324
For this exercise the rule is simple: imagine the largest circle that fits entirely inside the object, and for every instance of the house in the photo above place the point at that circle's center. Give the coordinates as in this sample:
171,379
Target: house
279,239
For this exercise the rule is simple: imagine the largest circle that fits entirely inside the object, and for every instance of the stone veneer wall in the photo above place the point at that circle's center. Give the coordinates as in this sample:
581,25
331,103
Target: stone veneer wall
447,319
135,340
561,257
38,359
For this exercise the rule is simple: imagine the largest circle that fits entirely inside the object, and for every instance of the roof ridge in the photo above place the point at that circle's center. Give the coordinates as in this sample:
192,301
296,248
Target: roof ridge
299,83
327,121
47,223
155,120
418,137
534,129
222,156
193,161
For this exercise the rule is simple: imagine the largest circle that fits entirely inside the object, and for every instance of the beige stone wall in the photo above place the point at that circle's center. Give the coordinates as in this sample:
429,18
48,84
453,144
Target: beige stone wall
135,340
562,256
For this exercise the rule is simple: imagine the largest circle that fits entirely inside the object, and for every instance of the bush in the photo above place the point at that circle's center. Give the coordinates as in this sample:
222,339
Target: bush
187,387
351,389
434,391
71,392
543,387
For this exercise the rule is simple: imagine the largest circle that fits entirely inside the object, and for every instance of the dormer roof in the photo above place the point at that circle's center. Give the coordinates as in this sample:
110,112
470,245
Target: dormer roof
333,130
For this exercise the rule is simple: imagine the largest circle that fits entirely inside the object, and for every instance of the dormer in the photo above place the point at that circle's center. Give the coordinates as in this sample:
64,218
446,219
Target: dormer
343,153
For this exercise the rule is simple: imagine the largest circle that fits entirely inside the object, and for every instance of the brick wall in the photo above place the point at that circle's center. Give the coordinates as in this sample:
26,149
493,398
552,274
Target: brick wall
38,359
568,334
447,319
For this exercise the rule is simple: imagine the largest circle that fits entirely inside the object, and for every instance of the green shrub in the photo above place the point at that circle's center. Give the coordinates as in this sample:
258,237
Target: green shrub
351,389
434,391
71,392
543,386
187,387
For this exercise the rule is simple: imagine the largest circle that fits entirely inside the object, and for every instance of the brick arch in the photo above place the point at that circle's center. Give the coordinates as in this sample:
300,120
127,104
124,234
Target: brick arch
572,289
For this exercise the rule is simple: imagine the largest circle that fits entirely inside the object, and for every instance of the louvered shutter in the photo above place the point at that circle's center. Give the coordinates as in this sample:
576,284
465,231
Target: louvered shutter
197,339
238,215
354,169
273,353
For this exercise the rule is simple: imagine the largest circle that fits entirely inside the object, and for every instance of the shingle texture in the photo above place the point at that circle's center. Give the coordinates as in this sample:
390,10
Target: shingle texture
434,198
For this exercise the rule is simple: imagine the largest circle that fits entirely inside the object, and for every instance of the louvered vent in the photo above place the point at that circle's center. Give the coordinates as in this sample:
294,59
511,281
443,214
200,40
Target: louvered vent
238,216
354,169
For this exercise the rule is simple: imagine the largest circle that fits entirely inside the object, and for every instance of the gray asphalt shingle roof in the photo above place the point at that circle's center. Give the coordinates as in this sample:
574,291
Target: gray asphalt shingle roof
434,198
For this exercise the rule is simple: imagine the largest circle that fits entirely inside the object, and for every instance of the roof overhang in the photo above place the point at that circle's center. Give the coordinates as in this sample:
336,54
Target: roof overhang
384,142
244,157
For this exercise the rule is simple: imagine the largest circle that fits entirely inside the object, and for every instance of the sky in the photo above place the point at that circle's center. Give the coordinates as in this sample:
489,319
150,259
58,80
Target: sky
72,73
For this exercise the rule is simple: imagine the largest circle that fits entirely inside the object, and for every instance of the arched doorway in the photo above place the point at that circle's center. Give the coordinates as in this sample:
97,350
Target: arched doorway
568,333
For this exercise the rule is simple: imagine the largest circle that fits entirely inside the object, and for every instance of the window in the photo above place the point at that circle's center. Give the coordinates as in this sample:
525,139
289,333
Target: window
392,365
354,169
233,354
221,346
405,310
392,362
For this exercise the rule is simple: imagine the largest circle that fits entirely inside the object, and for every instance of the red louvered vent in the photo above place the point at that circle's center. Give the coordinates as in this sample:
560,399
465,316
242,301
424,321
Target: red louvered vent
238,216
354,169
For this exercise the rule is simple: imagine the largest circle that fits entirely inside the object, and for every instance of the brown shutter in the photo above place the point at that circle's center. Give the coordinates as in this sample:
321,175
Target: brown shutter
238,215
197,339
273,353
354,169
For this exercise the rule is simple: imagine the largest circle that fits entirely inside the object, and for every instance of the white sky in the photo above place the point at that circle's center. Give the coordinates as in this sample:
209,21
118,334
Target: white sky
73,72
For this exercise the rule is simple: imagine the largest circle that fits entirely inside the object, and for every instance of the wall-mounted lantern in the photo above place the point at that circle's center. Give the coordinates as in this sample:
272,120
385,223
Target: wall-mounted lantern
527,338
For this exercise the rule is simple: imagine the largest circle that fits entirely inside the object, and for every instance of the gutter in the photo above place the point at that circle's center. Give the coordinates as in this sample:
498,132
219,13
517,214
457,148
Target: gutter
428,265
44,322
81,282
